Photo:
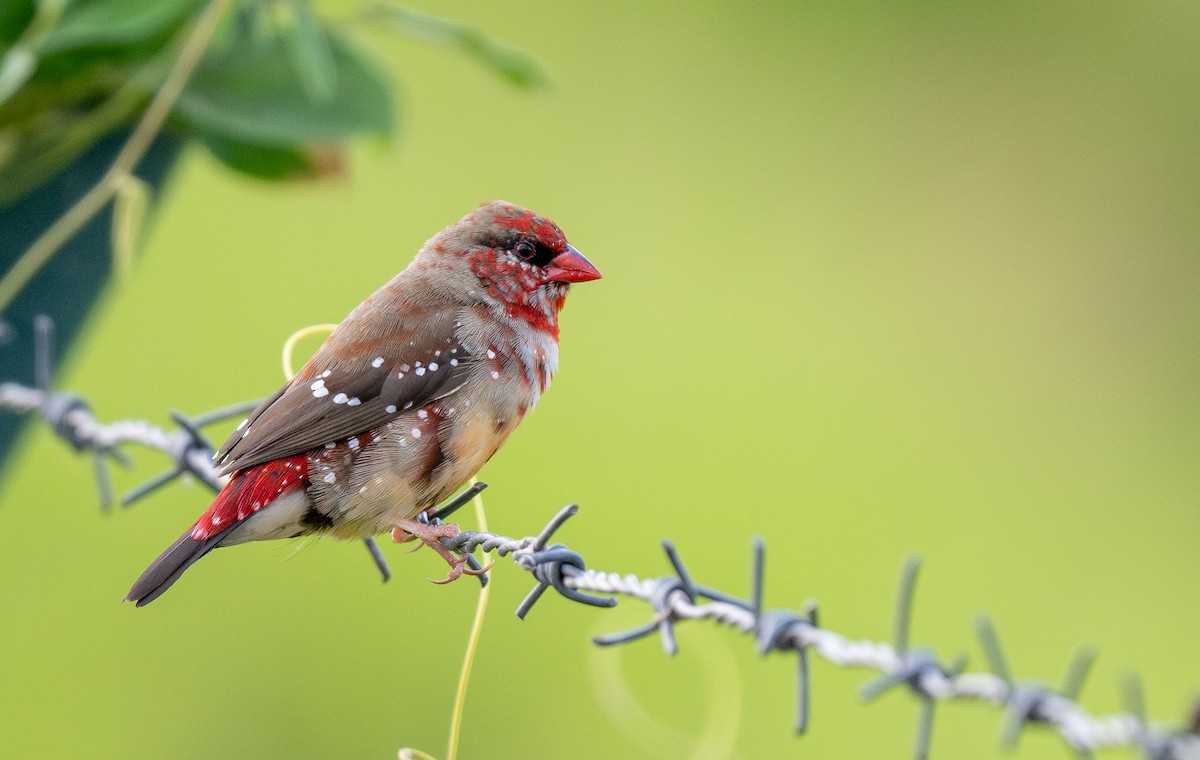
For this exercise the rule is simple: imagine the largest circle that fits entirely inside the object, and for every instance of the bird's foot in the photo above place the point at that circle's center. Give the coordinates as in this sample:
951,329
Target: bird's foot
408,529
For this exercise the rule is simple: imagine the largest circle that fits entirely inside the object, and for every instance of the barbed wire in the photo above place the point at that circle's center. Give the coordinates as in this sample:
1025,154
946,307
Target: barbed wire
70,417
674,598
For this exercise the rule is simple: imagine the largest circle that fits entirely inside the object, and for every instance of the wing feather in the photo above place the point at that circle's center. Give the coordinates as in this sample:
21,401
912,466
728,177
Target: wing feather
341,392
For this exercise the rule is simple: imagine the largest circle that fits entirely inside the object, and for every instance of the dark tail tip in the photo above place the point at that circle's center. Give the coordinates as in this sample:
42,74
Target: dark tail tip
165,570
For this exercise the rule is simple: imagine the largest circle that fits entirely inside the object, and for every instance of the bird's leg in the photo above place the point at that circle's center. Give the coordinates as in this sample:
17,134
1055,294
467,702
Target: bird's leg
407,529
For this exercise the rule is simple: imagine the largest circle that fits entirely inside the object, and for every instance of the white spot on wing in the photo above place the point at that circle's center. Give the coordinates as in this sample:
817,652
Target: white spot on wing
329,477
416,432
355,401
319,392
377,362
341,398
390,409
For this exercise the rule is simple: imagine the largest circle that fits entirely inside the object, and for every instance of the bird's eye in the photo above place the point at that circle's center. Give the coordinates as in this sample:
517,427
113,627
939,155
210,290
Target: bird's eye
525,250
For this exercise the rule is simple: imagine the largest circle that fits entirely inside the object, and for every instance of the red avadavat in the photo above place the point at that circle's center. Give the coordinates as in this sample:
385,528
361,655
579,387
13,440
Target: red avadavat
404,402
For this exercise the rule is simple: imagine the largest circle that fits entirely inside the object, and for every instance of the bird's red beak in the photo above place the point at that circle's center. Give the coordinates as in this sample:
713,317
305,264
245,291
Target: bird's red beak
571,266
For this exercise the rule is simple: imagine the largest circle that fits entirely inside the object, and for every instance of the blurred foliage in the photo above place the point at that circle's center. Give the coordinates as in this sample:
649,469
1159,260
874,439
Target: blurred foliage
277,95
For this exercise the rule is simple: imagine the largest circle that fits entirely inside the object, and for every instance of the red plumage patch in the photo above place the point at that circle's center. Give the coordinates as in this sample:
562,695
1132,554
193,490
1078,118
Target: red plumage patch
528,222
249,491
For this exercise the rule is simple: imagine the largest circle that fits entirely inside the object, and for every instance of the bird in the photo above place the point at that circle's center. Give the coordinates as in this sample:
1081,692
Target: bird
403,403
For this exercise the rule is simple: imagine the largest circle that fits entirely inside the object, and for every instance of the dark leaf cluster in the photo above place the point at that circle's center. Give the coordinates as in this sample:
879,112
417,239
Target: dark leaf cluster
278,94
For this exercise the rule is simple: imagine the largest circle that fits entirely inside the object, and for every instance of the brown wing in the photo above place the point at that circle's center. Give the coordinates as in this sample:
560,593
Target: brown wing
341,392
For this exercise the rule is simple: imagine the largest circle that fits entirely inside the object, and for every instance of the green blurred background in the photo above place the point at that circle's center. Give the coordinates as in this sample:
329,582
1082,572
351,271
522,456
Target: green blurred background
878,280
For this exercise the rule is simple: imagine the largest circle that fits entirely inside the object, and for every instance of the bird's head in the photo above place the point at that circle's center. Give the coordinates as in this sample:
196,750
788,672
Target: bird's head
514,260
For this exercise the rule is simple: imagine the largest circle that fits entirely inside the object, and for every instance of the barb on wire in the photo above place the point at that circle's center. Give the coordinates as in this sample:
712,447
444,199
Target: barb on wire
660,600
71,418
1031,701
677,597
781,631
918,668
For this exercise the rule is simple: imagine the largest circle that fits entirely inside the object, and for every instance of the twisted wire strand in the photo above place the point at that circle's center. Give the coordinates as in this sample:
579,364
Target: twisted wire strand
675,598
72,420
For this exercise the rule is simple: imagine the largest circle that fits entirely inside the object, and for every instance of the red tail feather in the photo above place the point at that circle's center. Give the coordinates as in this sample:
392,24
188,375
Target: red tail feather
249,491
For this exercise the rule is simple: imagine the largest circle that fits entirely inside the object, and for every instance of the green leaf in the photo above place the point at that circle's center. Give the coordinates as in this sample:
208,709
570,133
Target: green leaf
517,67
250,93
264,162
15,16
90,23
311,55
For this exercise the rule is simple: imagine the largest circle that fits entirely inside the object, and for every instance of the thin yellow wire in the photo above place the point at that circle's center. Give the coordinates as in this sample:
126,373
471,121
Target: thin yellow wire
289,345
464,676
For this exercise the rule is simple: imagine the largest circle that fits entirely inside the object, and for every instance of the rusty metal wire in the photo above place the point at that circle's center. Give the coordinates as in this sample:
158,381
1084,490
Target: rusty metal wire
676,598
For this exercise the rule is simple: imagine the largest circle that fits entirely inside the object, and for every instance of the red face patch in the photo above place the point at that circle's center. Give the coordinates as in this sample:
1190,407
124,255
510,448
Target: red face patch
528,223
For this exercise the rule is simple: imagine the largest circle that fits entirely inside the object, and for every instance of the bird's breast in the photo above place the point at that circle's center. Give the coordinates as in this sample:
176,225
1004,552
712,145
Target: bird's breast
420,458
